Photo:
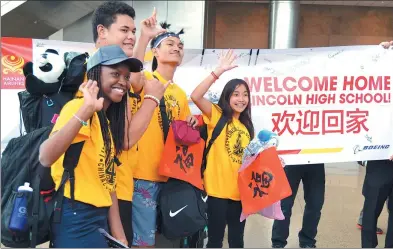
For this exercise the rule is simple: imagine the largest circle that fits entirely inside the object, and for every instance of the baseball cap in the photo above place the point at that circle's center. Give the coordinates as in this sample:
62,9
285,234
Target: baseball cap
111,55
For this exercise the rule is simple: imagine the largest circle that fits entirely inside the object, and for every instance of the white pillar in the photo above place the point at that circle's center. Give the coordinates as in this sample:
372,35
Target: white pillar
283,24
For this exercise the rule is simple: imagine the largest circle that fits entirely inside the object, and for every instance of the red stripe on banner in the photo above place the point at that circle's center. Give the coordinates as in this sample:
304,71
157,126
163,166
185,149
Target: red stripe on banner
286,152
15,53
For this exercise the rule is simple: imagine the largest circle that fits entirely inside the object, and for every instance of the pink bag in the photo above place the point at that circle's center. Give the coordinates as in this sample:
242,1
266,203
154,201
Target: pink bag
184,134
273,212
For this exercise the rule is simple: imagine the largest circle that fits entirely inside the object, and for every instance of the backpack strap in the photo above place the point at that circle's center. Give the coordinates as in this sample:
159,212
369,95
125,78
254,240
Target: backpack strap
216,132
35,213
134,95
164,117
71,159
20,121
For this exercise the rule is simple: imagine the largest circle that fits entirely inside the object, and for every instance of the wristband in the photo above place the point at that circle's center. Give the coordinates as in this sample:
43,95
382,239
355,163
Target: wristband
151,97
84,123
214,75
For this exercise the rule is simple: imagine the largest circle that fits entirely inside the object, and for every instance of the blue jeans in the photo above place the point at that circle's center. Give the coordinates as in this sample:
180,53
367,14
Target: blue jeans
79,226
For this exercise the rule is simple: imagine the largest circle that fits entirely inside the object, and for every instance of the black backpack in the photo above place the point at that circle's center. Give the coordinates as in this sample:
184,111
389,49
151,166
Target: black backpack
183,209
38,111
20,161
20,164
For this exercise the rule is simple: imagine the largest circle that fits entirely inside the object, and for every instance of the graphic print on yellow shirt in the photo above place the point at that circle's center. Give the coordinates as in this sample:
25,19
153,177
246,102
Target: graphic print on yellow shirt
225,157
148,150
94,180
124,174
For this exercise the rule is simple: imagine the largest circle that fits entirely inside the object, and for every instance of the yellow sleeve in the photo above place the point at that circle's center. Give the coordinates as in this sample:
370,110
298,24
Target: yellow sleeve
215,116
134,102
148,75
66,114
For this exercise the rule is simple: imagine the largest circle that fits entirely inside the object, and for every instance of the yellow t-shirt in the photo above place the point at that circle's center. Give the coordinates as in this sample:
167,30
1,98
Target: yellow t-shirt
225,157
124,176
148,150
94,181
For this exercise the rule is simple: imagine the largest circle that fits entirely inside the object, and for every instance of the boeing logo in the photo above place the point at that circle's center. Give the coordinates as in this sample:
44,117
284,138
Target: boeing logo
359,148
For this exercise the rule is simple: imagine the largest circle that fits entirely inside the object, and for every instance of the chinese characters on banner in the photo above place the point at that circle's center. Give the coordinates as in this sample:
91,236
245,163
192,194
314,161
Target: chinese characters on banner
320,122
182,162
263,183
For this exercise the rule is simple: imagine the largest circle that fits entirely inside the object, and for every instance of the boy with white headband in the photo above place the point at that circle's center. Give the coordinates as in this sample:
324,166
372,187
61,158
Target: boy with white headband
167,49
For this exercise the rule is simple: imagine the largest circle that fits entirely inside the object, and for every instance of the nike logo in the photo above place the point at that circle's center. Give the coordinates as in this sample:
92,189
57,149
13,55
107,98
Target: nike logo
204,199
177,212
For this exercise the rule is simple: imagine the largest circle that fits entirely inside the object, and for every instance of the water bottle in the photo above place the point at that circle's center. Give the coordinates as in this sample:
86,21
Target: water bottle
19,216
257,144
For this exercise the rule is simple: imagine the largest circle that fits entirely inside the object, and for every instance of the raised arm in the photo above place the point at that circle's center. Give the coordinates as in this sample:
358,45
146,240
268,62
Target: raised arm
140,120
149,30
58,143
197,96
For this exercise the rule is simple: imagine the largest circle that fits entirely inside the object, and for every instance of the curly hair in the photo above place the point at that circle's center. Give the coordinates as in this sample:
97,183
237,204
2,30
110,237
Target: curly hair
107,12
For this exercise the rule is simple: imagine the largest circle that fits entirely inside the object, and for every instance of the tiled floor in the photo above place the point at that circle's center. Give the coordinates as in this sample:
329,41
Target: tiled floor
337,228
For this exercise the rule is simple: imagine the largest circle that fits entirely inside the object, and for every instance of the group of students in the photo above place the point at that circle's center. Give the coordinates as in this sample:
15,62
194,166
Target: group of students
116,114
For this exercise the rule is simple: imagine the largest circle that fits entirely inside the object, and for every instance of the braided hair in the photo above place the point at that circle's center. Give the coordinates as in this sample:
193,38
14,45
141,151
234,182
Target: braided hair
116,114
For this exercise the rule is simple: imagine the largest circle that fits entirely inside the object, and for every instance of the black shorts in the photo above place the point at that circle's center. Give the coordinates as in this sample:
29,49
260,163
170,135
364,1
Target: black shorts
125,210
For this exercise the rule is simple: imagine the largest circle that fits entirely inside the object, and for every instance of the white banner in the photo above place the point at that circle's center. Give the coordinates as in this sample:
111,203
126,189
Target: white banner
327,104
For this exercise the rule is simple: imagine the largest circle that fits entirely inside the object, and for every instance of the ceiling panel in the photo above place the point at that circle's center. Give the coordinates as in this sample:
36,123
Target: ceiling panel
366,3
40,19
388,3
377,3
331,2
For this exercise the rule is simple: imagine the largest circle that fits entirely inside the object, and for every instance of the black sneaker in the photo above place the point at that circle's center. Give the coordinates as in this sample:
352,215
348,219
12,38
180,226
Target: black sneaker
307,246
277,246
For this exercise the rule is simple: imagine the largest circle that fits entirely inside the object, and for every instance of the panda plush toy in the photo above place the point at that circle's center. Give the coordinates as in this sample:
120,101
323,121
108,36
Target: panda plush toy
51,81
45,75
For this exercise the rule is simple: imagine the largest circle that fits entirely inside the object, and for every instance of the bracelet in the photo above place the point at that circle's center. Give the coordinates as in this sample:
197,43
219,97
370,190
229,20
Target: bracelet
151,97
152,100
84,123
214,75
